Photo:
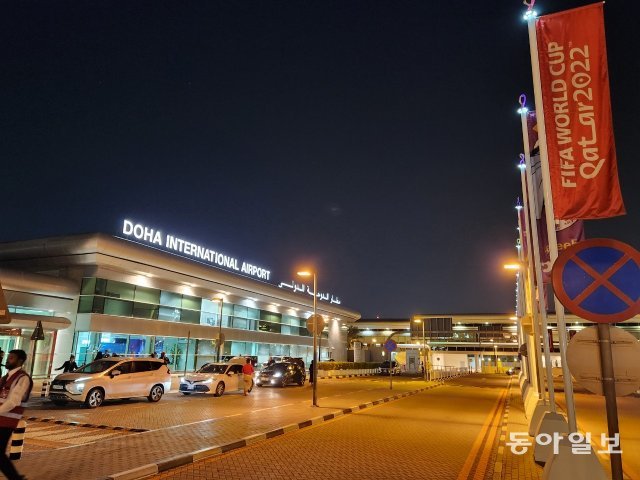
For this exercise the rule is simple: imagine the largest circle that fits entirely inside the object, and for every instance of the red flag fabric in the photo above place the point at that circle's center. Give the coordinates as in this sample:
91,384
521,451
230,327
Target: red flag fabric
568,232
575,93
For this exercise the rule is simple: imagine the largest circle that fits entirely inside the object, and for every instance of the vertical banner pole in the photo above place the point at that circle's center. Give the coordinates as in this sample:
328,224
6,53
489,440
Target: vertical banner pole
551,224
532,213
540,379
609,390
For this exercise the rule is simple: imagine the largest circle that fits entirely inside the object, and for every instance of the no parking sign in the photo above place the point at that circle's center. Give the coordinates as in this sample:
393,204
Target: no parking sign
599,280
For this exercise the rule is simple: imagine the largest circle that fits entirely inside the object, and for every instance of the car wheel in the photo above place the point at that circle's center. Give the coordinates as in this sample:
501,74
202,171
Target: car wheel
156,393
219,390
94,398
260,385
60,403
301,382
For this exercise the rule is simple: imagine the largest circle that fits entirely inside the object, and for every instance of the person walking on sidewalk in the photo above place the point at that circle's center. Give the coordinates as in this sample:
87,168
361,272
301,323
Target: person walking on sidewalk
15,388
70,365
311,365
247,376
1,360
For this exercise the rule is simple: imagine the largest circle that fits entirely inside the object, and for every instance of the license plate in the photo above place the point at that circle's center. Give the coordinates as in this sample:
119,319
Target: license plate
191,387
57,387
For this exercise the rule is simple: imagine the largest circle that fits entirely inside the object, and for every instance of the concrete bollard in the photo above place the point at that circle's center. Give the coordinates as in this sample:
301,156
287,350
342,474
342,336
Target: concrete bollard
44,391
565,464
17,441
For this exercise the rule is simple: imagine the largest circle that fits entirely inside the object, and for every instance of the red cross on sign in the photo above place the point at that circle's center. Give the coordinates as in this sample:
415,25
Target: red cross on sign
599,280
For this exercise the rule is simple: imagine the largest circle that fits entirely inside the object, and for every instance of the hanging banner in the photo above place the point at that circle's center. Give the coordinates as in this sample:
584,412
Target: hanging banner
575,94
568,232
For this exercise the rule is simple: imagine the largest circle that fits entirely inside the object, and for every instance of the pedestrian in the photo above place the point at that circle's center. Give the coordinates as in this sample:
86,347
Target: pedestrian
247,376
311,365
154,355
270,362
15,388
98,355
1,360
163,356
70,365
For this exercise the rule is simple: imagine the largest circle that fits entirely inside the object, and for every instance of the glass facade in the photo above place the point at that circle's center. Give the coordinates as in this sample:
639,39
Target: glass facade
110,297
183,353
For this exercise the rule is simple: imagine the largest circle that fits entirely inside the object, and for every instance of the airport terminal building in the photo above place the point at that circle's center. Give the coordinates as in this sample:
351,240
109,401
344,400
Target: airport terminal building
97,292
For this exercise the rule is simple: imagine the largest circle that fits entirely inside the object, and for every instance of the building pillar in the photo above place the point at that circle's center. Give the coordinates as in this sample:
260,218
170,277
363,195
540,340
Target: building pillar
337,341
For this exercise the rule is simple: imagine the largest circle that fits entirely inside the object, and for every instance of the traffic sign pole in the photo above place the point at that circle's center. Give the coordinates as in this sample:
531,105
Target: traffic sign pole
390,346
599,280
609,389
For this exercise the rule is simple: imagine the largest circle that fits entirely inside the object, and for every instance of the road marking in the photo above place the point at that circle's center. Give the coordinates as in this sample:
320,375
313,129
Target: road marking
488,444
477,445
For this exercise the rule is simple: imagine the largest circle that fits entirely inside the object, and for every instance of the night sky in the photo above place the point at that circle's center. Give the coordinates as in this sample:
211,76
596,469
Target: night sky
377,139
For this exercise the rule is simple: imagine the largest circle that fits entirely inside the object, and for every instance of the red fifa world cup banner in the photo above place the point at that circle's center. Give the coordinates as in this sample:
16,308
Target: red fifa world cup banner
575,93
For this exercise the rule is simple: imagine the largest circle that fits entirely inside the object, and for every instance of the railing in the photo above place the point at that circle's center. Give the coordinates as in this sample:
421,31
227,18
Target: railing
444,372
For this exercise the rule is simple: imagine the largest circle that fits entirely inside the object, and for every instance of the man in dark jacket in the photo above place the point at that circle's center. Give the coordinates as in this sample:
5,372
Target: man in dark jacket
70,365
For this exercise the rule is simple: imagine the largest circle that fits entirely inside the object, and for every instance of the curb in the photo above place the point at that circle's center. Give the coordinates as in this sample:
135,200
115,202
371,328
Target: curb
350,376
185,459
86,425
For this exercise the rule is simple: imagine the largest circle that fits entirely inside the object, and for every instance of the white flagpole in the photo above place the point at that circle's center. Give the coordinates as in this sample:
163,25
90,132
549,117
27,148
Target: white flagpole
551,224
537,356
532,212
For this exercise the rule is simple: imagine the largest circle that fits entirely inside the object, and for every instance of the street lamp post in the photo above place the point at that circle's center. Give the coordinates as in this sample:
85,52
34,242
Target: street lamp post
307,273
424,351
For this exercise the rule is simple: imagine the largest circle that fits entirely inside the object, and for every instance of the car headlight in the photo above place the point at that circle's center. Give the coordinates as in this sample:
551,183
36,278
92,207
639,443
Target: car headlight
208,380
183,380
277,374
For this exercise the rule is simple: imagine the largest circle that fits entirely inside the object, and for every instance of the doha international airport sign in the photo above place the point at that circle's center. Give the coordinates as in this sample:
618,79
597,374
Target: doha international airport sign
153,236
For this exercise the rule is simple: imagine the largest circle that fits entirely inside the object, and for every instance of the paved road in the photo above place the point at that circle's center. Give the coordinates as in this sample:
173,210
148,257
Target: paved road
445,433
176,409
178,425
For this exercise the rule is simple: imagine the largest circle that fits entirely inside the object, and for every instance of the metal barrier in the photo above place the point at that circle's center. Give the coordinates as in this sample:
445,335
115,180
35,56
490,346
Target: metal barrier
17,441
443,373
44,391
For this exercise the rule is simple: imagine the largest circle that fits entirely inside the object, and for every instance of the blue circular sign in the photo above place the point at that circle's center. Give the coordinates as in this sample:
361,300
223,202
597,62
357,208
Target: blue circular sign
599,280
390,345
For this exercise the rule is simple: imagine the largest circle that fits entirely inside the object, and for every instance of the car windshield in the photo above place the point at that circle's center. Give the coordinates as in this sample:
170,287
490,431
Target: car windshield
278,367
97,366
212,368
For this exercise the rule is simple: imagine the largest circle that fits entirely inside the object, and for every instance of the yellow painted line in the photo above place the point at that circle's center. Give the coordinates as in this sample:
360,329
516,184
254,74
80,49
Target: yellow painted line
475,449
488,445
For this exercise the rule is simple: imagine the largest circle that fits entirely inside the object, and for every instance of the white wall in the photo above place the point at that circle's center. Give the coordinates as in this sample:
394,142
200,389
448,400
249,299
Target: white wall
447,359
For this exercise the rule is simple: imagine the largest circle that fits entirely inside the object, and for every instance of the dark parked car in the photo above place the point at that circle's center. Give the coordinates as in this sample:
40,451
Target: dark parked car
513,371
281,374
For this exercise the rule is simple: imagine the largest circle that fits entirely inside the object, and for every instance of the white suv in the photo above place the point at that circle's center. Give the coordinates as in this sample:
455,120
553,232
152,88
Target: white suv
112,378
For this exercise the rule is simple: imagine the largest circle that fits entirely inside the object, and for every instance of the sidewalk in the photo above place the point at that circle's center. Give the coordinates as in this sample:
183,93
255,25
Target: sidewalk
508,465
